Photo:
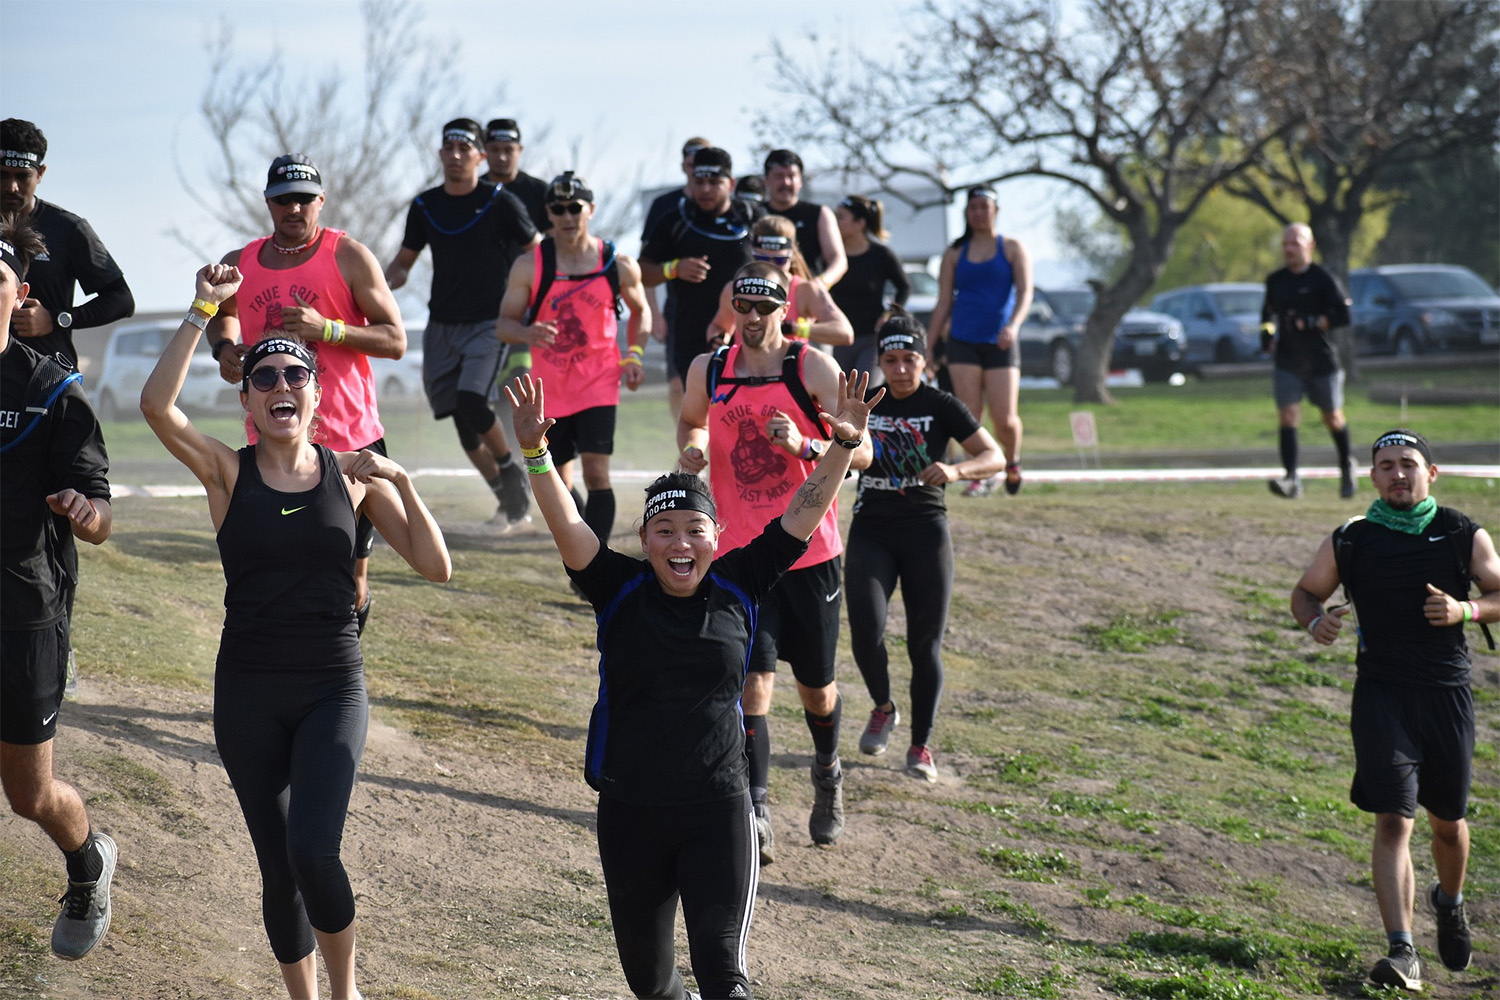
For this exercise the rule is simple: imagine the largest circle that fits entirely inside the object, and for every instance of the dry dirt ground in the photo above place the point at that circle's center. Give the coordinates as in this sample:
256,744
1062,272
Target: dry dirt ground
477,876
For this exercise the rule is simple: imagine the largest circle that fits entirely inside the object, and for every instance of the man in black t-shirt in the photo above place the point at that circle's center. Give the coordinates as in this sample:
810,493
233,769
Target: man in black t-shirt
696,247
817,230
1406,565
1303,305
502,152
475,230
53,487
74,254
663,314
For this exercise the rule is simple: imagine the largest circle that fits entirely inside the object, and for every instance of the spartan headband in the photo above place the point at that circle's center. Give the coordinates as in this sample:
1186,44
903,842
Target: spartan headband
677,499
771,241
276,345
984,191
755,285
11,259
1403,439
19,160
710,170
903,341
452,134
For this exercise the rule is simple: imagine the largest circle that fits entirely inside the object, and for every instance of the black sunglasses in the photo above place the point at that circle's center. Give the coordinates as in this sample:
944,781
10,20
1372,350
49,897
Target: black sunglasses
301,198
265,379
764,306
571,208
780,259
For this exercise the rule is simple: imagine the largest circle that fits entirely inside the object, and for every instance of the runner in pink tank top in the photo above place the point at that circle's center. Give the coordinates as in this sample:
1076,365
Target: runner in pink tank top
325,289
745,416
560,302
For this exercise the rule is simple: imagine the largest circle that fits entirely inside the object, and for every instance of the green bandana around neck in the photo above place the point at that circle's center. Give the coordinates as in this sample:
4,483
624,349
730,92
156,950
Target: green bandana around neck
1410,522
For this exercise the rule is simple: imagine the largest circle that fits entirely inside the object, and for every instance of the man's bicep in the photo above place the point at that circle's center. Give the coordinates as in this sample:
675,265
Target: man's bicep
1485,563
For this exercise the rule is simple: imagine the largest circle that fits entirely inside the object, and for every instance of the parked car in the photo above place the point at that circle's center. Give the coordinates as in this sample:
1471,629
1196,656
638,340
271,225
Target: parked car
398,381
924,292
1053,330
1222,321
1414,308
131,354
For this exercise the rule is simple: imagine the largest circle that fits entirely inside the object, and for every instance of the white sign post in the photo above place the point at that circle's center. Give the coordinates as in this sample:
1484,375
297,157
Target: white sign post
1085,434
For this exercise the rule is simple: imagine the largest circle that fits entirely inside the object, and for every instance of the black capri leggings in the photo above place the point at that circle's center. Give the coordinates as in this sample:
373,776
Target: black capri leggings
920,554
708,855
291,741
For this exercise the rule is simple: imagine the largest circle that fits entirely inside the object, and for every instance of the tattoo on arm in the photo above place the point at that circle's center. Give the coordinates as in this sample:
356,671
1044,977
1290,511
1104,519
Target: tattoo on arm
809,495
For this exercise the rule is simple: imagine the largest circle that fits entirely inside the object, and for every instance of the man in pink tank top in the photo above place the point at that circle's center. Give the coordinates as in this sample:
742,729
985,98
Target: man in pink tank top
560,303
316,285
745,415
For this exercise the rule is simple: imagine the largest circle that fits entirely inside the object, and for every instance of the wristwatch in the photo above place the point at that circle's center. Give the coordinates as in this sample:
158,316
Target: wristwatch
65,319
814,449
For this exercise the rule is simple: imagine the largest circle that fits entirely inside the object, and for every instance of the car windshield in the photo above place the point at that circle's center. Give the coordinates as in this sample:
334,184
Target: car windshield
922,283
1453,284
1072,303
1237,301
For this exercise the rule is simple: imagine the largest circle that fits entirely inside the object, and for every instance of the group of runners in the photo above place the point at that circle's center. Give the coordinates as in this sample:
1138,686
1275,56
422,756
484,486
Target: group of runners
740,571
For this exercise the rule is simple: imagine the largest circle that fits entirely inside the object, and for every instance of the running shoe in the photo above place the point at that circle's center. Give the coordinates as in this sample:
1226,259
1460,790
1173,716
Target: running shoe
764,834
70,681
1400,967
919,764
85,908
877,734
979,488
827,819
514,499
1013,486
1287,486
1454,945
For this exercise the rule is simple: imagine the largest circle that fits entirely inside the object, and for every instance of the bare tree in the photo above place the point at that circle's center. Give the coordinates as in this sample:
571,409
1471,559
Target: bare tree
374,144
1144,106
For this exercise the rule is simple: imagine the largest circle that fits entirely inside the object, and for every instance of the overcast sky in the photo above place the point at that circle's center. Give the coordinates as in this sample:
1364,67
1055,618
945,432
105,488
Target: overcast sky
115,85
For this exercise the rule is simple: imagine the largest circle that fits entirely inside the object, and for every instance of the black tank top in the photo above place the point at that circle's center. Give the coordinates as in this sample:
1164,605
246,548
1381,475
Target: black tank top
804,216
289,571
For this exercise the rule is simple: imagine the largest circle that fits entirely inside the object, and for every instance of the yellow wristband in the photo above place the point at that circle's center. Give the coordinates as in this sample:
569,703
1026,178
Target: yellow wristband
206,307
333,331
804,327
636,349
669,269
1268,328
537,452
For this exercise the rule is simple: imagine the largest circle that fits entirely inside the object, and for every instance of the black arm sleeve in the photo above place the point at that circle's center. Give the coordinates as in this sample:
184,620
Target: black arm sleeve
113,302
897,275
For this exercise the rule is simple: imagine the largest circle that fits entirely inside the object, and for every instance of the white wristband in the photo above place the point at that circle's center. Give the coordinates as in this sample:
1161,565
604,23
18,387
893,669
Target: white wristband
1312,625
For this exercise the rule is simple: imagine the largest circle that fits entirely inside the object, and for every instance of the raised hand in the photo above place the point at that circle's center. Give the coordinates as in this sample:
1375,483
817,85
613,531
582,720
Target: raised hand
853,414
217,282
525,398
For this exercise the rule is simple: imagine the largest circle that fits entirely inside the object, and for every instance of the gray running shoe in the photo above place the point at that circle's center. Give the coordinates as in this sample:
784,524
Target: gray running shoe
764,834
85,908
827,819
514,499
1400,967
70,681
1287,486
877,735
919,764
1454,946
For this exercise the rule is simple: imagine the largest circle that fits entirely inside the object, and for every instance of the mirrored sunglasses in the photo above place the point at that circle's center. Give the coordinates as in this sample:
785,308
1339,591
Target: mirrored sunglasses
265,378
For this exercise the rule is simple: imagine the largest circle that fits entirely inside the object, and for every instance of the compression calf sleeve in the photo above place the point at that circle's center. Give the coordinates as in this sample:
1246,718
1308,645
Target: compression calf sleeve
1288,442
1341,442
825,732
599,513
758,755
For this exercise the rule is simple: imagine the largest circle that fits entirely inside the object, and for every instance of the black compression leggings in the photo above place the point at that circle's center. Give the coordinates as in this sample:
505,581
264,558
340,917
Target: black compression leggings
291,741
706,854
920,554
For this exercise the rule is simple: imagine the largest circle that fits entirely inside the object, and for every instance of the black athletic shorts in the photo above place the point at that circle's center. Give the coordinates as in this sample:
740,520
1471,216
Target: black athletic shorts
364,531
33,665
1413,746
799,623
591,430
986,356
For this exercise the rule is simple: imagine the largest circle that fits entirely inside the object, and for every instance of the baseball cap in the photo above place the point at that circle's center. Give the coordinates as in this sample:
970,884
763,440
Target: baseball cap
293,173
568,186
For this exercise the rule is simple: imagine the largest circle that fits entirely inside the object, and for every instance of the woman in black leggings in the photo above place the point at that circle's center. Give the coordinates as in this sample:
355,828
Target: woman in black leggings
900,532
666,745
290,712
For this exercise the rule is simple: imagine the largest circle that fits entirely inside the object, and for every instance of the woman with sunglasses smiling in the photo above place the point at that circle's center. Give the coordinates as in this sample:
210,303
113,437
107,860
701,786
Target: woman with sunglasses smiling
810,312
290,711
666,746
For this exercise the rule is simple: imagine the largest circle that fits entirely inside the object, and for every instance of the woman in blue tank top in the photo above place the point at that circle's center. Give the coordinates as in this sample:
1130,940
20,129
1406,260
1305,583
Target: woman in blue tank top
290,710
984,295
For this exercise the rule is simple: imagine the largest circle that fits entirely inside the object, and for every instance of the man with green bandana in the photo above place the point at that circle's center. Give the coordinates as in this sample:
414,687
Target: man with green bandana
1406,566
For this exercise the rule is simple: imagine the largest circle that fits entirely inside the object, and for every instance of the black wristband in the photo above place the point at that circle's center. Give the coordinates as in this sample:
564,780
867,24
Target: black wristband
850,443
219,345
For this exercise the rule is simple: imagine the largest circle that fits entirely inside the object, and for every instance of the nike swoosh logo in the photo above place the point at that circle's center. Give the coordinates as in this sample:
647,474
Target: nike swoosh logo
294,510
49,718
1439,538
833,596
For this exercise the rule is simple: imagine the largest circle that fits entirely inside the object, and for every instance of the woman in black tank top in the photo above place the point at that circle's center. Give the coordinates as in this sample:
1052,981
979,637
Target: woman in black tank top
289,695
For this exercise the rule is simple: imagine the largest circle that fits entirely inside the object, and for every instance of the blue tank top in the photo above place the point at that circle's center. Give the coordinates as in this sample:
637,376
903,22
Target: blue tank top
984,295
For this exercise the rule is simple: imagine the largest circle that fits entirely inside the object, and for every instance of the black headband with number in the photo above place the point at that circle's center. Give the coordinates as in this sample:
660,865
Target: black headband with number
750,284
1402,439
673,498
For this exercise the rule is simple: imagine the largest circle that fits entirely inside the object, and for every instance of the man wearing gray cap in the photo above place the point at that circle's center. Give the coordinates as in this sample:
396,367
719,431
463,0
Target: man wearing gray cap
316,285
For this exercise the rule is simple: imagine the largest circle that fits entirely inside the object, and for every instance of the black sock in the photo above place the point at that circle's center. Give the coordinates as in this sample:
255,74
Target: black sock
496,486
1341,442
507,460
599,513
758,755
1289,450
825,732
85,864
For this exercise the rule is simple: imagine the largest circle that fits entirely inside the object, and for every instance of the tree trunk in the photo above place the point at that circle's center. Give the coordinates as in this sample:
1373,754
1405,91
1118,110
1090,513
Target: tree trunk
1148,255
1333,231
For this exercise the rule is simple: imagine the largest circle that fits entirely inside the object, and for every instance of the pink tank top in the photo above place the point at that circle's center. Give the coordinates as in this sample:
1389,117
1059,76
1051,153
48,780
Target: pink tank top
791,301
753,480
581,367
348,418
